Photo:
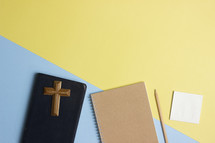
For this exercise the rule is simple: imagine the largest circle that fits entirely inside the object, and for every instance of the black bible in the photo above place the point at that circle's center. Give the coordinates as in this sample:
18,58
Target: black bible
54,110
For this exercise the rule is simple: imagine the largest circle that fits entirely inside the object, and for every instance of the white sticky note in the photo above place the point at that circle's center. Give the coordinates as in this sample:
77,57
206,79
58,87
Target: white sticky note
186,107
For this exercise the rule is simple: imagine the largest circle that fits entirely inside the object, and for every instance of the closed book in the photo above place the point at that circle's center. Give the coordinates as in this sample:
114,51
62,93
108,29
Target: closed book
54,110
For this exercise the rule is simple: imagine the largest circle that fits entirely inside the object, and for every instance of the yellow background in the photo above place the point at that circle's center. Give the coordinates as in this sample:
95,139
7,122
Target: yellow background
169,44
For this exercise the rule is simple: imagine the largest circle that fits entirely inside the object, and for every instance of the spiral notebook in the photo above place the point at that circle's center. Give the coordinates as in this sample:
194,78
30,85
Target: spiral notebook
123,115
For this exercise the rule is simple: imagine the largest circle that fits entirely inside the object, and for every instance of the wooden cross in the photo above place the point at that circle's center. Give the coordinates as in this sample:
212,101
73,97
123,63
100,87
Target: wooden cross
56,93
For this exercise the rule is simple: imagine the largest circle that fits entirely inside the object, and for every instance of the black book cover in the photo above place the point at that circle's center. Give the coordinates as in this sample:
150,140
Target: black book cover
41,125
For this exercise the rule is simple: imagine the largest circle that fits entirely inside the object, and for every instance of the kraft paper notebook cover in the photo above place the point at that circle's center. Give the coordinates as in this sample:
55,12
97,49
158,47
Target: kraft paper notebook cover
124,115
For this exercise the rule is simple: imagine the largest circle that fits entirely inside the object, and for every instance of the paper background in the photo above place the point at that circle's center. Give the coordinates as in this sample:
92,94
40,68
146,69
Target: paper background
18,67
168,44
